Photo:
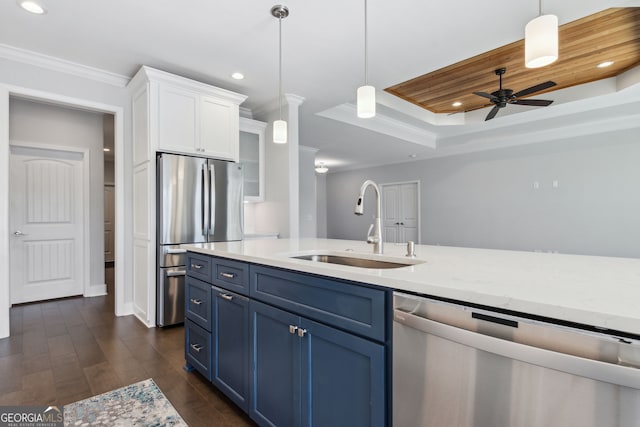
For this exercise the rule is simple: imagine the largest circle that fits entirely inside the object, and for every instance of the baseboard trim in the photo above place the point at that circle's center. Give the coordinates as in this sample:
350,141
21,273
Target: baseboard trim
96,291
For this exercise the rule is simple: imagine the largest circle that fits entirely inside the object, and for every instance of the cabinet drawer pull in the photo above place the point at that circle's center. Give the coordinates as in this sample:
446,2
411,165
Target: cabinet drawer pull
196,266
226,296
292,329
301,332
196,347
196,301
228,275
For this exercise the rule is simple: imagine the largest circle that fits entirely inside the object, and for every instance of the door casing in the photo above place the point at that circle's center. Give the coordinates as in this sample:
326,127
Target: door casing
123,266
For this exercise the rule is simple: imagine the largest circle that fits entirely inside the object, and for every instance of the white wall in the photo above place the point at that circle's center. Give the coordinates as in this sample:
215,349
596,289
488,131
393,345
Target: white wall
53,125
321,204
44,78
279,211
308,198
487,199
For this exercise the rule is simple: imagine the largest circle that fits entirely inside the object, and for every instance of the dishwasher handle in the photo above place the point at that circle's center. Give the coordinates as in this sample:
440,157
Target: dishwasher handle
588,368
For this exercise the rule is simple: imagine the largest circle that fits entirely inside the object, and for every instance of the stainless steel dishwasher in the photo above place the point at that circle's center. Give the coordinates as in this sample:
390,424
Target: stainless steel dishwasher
458,366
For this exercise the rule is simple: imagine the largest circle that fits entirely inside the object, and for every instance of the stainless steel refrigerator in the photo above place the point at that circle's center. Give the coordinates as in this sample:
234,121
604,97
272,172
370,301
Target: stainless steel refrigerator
198,200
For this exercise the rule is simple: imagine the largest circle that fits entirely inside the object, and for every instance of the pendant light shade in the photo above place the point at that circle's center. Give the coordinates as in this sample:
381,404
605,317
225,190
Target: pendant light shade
280,132
541,40
366,95
366,102
280,126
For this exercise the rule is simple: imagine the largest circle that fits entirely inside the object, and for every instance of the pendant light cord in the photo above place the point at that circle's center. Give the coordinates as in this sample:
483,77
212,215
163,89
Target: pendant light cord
366,46
280,65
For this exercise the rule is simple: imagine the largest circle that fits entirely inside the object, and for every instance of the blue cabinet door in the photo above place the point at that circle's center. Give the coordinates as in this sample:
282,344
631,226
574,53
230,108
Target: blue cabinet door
275,366
343,378
230,341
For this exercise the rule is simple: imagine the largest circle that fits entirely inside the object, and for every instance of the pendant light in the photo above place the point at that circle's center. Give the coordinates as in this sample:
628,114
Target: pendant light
280,126
541,40
366,95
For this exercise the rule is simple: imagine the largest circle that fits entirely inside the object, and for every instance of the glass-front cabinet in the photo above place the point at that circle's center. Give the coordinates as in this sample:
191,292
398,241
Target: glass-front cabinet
252,158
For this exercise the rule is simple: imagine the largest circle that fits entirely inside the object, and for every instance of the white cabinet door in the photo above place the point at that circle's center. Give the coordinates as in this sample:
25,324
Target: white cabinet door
218,128
178,120
252,158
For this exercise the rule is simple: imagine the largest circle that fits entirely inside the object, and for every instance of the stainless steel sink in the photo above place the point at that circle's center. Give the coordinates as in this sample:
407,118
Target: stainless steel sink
354,261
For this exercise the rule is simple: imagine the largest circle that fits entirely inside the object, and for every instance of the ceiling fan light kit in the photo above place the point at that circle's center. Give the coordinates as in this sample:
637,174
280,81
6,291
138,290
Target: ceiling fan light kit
541,40
501,97
366,95
280,126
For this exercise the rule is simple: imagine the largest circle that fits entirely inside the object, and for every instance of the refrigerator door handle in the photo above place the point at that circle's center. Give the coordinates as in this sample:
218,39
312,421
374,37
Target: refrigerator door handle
205,199
176,273
212,200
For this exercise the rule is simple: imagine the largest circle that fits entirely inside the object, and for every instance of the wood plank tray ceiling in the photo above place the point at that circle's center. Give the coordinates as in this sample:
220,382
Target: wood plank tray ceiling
610,35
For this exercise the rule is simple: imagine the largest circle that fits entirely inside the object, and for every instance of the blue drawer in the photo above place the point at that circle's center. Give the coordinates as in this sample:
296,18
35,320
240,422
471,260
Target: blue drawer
198,302
231,275
198,348
346,305
199,266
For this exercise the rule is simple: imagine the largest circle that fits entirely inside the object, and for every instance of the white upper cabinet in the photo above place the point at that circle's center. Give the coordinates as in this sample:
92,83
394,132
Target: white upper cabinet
189,117
219,128
178,119
252,158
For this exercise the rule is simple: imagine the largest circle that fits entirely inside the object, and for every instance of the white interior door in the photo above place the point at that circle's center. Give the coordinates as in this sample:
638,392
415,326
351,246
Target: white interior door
400,212
46,219
391,199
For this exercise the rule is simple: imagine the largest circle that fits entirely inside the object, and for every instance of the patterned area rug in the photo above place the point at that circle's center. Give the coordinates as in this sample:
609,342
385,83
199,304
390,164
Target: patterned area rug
139,404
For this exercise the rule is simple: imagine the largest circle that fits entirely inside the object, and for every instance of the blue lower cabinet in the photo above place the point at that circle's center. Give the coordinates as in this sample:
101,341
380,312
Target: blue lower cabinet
308,374
275,367
343,378
230,346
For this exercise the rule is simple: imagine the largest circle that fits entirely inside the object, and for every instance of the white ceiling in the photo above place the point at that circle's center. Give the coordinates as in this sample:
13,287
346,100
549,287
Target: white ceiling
323,62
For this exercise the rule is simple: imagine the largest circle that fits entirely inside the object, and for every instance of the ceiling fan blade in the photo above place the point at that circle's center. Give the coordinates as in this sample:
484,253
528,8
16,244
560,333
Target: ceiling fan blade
534,89
492,113
486,95
470,109
534,102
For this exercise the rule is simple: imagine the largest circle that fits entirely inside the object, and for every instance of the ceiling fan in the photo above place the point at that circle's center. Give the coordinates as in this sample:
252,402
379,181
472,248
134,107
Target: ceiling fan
502,97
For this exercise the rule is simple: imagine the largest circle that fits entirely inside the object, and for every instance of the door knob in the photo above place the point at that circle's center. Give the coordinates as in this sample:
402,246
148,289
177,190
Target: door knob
18,233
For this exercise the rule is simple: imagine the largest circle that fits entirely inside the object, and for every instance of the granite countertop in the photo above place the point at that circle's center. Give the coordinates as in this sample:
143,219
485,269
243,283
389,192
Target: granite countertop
600,291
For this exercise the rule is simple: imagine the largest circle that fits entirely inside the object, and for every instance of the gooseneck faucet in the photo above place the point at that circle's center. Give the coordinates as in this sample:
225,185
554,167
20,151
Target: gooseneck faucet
376,237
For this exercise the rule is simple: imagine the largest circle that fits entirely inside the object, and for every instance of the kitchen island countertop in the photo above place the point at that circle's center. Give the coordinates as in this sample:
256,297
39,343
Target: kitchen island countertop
599,291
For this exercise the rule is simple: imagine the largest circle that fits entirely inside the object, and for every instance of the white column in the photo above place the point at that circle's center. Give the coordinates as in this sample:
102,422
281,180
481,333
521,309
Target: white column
4,212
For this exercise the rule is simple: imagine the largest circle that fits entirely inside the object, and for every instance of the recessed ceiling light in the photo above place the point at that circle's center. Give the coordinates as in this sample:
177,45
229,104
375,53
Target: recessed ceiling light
457,104
237,76
106,149
605,64
32,6
413,156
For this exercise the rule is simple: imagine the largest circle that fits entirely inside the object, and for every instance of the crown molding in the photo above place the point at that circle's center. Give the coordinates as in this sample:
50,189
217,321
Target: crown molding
61,65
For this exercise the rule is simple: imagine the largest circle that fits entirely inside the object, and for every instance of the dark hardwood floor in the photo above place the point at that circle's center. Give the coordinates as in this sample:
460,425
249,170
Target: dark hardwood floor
65,350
